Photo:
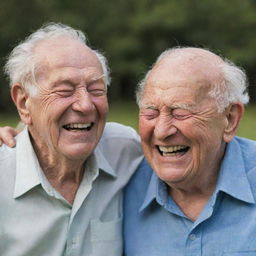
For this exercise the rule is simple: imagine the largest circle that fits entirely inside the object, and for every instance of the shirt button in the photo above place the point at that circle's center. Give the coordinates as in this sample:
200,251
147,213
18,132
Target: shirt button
192,237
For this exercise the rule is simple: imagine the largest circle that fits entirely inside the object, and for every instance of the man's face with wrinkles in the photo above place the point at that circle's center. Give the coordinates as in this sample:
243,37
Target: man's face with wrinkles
181,130
68,113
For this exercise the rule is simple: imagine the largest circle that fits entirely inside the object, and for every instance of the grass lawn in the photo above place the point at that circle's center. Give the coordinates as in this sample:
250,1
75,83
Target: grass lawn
127,113
10,119
247,126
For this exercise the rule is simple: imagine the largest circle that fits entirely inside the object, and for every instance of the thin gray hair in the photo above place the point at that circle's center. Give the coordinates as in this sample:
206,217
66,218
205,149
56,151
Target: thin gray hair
21,66
233,87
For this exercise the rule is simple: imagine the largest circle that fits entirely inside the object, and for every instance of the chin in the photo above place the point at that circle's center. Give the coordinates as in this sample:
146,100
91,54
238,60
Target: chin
78,152
171,176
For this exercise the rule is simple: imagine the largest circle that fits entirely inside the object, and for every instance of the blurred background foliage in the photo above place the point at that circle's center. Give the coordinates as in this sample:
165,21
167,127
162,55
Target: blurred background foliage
132,33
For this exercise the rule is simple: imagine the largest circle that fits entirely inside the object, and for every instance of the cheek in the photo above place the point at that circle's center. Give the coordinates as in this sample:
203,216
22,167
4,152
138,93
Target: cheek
206,142
199,129
47,114
58,109
101,104
146,129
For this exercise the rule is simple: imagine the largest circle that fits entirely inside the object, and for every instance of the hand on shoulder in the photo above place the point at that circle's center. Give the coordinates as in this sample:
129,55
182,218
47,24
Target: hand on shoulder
7,135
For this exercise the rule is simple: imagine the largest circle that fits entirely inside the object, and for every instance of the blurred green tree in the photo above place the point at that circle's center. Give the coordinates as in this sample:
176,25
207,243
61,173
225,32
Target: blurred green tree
132,33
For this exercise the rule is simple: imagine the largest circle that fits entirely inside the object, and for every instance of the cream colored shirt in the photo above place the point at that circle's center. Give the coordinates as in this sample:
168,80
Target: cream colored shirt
36,220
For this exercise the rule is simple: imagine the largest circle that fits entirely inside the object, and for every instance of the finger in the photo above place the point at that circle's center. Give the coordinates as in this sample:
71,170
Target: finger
14,132
9,140
7,135
11,143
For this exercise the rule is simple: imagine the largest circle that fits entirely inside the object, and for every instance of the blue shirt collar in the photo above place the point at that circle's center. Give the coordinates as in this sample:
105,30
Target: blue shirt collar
152,191
232,179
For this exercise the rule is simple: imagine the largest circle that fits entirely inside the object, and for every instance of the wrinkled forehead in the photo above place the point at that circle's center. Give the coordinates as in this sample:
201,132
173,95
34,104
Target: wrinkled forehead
198,67
182,95
182,79
65,52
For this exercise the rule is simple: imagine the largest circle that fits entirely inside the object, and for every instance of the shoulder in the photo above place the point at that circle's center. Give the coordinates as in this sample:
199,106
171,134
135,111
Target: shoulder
119,132
143,172
118,138
245,143
6,153
248,151
135,194
120,146
141,177
136,189
7,169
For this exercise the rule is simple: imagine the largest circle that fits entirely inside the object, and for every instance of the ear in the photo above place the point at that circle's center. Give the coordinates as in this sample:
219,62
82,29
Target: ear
20,98
233,114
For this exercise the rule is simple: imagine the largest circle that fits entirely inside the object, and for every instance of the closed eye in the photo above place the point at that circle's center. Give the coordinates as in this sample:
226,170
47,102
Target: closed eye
65,93
96,88
181,114
149,113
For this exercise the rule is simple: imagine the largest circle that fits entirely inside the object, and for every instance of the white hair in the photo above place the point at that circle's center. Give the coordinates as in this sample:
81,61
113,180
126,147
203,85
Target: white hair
233,87
21,66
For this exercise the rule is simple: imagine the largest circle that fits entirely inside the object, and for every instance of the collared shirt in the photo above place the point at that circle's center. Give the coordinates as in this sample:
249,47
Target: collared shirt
35,220
155,226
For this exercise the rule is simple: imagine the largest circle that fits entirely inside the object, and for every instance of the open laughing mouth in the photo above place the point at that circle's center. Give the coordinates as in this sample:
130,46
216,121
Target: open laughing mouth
177,150
78,127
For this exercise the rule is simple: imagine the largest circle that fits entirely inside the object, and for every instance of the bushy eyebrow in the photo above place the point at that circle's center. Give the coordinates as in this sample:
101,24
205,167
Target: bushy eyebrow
72,80
100,77
65,81
171,107
147,106
183,106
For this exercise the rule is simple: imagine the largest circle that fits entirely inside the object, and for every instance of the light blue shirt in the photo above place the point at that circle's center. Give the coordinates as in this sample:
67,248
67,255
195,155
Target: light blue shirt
35,220
155,226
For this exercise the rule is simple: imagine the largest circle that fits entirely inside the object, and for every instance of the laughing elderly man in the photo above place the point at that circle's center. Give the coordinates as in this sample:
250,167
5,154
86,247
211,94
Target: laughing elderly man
199,198
61,185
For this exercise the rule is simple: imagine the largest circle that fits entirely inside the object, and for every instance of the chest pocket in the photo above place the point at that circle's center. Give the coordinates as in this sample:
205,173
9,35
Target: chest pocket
106,238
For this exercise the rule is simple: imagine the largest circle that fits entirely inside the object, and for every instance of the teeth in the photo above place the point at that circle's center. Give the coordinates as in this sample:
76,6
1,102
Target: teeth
171,149
78,126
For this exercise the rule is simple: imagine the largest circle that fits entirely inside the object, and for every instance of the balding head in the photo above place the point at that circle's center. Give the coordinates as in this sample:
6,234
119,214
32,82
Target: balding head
227,83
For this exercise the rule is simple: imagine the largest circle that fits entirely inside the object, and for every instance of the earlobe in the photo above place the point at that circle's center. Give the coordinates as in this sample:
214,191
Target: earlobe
19,97
234,114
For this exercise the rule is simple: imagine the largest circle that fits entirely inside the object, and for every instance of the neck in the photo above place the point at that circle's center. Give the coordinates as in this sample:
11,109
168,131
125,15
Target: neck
192,194
192,197
64,178
191,202
64,174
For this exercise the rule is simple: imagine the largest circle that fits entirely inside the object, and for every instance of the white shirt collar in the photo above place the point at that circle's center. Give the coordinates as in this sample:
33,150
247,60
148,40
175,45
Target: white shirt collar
28,169
27,165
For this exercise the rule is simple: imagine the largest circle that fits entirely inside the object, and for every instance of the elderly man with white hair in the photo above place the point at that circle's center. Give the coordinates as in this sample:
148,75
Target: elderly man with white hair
61,186
196,195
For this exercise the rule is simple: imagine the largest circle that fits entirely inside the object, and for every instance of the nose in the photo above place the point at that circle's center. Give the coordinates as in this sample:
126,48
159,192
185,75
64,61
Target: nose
83,102
164,127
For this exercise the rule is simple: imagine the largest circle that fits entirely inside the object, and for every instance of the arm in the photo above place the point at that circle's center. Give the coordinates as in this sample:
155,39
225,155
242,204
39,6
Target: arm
7,135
